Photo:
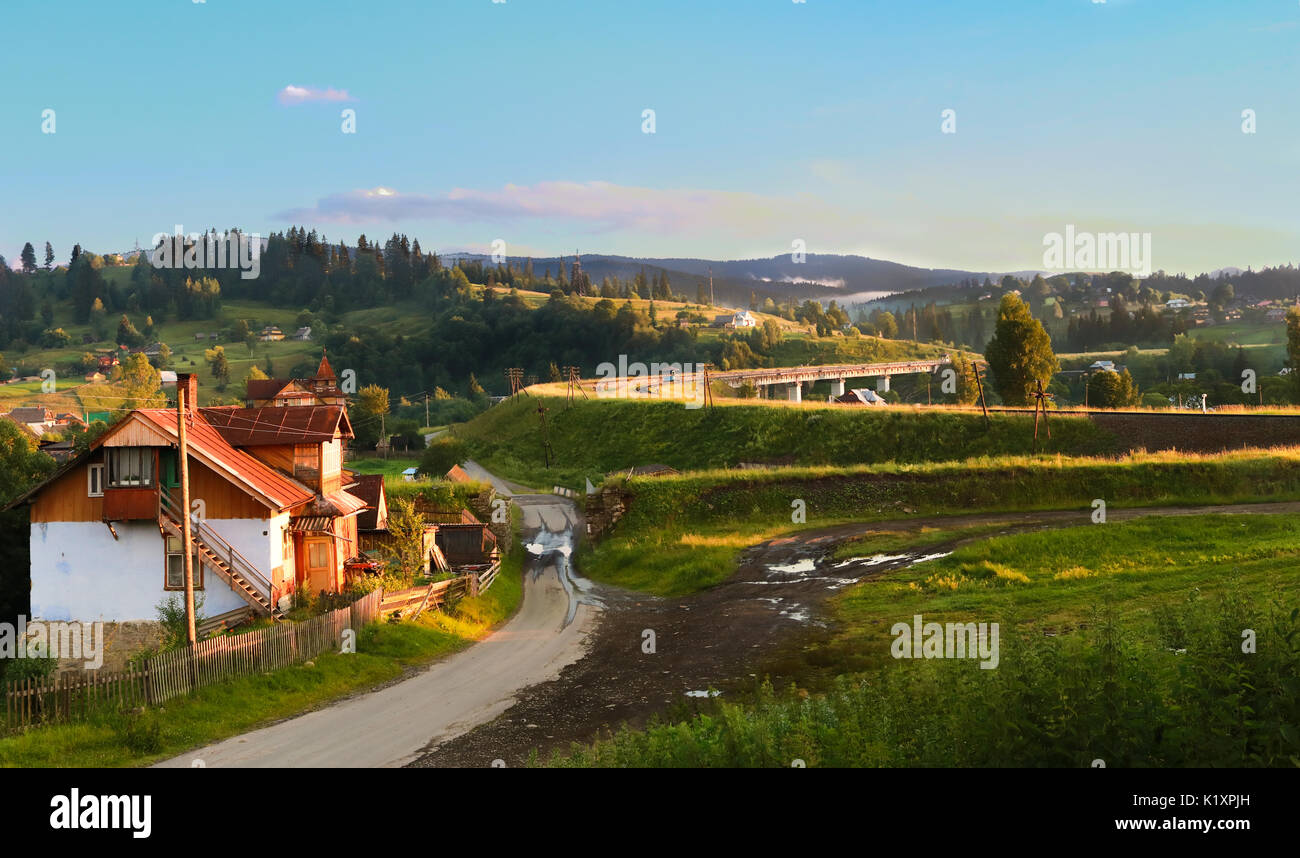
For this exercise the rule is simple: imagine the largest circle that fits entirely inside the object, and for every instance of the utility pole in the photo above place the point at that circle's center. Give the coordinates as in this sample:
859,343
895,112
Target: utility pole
183,380
426,408
711,304
980,384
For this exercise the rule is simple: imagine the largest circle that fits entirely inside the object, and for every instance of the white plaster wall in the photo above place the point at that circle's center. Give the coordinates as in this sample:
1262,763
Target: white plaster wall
79,572
254,538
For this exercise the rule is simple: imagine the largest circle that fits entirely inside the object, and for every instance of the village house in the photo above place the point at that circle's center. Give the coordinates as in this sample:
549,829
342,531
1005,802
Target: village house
322,389
271,334
270,503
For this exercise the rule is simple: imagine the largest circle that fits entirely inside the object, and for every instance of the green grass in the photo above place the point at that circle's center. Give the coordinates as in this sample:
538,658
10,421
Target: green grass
894,541
391,468
683,533
1134,656
1051,581
215,712
593,437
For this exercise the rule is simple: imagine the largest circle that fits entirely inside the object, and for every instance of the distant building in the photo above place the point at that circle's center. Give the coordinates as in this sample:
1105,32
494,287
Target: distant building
1177,303
861,396
1103,366
321,389
271,334
303,333
409,474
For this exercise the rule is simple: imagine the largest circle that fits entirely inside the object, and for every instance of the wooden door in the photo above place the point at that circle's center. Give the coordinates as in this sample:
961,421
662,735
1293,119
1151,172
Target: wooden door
319,563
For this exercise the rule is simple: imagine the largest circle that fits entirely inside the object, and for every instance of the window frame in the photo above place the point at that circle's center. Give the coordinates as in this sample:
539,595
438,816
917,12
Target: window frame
168,554
143,457
92,469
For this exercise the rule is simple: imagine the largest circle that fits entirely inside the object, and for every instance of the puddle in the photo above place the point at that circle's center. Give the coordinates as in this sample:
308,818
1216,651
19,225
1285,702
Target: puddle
806,565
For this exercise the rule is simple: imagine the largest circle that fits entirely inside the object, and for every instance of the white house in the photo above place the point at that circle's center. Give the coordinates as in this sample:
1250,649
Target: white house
744,319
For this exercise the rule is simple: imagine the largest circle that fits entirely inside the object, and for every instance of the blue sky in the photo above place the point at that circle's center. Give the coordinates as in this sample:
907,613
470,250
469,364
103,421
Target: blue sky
775,121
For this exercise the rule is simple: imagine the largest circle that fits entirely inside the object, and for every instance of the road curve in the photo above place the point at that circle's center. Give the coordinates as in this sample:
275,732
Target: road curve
397,723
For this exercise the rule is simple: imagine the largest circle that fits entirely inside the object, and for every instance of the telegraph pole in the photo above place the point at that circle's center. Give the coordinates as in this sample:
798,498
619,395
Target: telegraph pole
182,407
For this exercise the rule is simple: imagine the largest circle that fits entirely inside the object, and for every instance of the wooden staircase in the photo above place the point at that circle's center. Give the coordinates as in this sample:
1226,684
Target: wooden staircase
220,556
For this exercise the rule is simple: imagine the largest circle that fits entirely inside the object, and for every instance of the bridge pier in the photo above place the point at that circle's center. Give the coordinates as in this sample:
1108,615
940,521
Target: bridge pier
794,392
837,387
882,384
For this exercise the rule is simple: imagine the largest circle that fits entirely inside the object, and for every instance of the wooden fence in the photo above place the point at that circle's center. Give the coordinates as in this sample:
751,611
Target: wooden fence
73,696
412,601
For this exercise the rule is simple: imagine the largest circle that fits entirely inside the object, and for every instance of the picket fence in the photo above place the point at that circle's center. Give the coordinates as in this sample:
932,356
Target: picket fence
74,696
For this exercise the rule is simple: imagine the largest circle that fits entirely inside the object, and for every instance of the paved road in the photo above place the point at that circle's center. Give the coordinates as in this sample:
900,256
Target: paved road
396,724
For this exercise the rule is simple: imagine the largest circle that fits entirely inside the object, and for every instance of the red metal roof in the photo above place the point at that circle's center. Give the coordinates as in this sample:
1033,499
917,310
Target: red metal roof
266,388
269,424
207,445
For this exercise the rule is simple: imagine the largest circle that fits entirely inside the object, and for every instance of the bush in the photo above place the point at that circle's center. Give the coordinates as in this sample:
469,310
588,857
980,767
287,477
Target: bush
443,454
171,616
141,732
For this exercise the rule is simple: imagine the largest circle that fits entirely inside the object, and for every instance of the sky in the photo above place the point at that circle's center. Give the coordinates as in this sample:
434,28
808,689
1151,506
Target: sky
774,122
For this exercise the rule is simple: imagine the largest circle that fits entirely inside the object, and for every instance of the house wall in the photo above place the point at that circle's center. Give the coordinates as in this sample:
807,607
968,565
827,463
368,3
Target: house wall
80,572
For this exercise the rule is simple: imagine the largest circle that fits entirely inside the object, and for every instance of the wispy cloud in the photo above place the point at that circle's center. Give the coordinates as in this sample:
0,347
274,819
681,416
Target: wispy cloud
603,206
304,94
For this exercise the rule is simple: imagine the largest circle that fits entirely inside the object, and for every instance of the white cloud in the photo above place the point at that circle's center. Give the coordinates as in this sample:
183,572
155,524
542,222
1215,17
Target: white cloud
303,94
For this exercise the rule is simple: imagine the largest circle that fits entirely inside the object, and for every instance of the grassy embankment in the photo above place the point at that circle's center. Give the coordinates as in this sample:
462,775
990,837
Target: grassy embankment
385,651
684,533
593,437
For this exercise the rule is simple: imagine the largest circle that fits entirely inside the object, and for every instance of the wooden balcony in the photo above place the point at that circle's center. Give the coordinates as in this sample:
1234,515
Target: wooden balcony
131,504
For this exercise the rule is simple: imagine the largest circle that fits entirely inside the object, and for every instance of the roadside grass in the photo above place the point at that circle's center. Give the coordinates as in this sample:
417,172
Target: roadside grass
384,652
1120,642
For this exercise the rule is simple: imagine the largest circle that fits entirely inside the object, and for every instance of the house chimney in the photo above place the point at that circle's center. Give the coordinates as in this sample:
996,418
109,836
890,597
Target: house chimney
188,382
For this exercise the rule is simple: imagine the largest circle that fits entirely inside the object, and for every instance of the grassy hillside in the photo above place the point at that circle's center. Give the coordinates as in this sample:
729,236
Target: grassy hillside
684,533
593,437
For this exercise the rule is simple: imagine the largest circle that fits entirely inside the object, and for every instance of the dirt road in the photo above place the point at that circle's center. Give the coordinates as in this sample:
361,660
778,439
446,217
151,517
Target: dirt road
396,724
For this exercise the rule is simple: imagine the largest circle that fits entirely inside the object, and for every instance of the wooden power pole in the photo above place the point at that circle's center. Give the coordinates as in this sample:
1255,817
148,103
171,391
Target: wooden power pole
183,405
979,383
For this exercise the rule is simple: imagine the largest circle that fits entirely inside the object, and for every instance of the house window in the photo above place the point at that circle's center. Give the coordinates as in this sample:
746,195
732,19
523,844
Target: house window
130,467
95,481
175,576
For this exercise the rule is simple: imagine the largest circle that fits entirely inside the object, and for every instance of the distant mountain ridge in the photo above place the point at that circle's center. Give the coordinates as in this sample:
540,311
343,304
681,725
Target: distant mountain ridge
843,277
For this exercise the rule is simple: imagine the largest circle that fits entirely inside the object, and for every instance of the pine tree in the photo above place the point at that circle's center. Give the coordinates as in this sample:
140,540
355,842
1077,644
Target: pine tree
1020,353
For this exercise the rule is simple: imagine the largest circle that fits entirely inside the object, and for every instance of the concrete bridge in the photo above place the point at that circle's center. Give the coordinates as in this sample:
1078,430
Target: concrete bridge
794,377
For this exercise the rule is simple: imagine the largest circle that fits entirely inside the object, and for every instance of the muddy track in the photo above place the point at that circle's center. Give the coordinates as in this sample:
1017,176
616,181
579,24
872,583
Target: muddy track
756,623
